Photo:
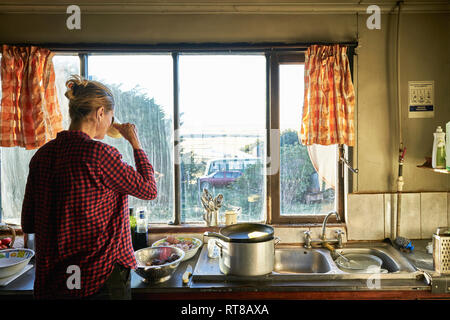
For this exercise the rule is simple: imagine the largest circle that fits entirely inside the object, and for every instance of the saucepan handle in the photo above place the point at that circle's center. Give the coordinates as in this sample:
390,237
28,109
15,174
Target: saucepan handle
216,235
220,246
217,243
277,240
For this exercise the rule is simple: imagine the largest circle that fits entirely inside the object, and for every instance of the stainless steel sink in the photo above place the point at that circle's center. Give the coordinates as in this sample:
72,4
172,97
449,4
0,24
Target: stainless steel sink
297,260
318,263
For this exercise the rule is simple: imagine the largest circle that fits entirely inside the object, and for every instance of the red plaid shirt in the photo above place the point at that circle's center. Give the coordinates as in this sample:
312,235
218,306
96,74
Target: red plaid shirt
76,203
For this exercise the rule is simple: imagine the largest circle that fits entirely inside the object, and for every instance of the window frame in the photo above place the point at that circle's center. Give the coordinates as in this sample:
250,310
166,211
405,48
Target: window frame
275,55
274,60
344,183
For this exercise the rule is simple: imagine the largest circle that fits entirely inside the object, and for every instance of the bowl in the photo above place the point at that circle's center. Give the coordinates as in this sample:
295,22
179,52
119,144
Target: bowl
13,261
360,263
157,273
188,253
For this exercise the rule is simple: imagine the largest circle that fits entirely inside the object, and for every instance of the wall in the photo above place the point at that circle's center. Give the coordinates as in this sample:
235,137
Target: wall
369,215
424,54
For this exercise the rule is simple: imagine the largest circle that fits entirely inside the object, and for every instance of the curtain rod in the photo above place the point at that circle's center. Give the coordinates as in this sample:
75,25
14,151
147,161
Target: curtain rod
187,47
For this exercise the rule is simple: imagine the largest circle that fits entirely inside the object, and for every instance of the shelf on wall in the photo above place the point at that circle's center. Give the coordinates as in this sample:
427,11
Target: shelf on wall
425,166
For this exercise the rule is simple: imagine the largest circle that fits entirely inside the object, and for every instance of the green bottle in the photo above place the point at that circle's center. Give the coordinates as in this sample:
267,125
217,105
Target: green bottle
133,227
440,154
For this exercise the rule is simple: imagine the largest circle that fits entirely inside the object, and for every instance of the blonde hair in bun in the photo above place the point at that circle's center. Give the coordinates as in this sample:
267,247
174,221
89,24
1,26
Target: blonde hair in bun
86,96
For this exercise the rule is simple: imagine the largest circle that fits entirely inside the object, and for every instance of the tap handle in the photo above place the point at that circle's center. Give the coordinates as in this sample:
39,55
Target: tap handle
340,237
307,237
339,234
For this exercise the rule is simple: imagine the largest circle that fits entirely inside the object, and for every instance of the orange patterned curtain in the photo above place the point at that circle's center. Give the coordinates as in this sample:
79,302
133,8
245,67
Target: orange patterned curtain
329,100
30,114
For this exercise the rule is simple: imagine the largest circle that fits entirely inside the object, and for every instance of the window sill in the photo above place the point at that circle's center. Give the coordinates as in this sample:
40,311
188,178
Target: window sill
308,225
198,228
182,228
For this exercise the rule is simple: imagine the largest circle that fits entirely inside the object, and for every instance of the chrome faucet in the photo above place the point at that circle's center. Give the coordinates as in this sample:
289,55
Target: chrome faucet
324,225
308,241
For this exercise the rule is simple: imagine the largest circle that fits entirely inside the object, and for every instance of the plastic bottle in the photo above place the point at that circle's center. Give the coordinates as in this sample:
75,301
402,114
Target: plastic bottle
438,157
141,231
404,243
447,146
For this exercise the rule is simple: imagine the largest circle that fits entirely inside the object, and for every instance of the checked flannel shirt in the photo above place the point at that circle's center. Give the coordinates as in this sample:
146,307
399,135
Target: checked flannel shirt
76,203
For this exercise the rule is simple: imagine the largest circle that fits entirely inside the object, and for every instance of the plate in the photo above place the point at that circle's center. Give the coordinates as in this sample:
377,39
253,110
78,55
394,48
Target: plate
188,253
13,261
5,281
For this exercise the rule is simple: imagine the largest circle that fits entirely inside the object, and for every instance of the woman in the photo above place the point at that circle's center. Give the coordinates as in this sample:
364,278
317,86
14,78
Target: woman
76,202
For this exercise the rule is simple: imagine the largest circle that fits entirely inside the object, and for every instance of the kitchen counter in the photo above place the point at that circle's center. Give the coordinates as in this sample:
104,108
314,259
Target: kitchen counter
418,288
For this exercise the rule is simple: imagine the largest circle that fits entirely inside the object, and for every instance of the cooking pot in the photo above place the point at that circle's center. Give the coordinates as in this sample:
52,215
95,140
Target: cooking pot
246,249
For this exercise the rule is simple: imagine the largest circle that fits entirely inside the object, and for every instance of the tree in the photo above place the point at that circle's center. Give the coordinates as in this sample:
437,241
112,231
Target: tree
289,137
295,173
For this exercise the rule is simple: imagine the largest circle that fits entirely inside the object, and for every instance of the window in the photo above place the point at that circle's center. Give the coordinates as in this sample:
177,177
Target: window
305,188
143,91
302,189
15,161
222,124
233,119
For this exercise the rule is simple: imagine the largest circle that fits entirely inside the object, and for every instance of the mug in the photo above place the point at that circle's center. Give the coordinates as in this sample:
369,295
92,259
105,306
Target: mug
230,218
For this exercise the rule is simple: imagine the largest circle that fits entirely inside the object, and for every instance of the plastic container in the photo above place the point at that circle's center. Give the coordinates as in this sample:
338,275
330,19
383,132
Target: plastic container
447,146
438,156
404,243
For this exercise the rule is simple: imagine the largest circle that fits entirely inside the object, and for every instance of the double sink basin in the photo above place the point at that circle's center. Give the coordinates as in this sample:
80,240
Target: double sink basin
297,262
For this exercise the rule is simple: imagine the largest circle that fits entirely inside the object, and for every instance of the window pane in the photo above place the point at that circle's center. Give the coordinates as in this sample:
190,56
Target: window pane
143,91
305,188
222,118
15,160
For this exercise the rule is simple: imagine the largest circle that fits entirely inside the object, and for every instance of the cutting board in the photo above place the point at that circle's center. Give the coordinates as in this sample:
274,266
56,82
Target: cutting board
5,281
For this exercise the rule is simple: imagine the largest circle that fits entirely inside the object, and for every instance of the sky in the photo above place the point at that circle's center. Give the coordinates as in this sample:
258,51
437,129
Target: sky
291,96
217,92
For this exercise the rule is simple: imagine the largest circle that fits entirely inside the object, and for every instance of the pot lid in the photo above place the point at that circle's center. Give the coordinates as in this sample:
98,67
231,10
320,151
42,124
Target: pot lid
247,232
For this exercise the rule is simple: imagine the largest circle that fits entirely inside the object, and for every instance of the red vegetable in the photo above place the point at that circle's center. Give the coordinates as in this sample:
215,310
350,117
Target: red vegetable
6,241
172,240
